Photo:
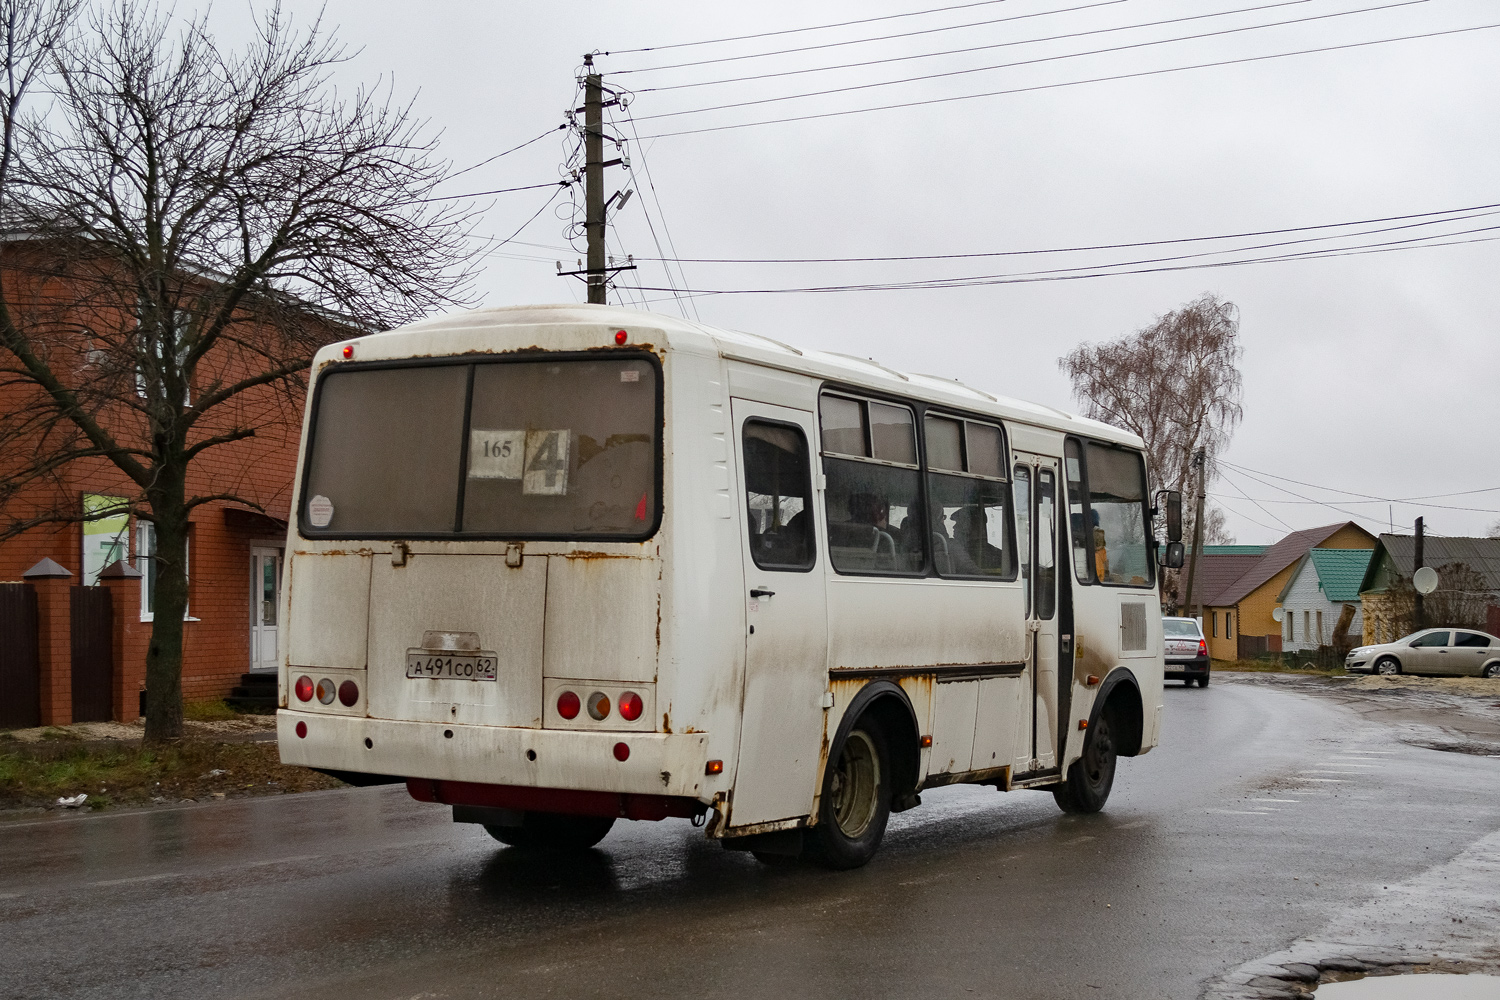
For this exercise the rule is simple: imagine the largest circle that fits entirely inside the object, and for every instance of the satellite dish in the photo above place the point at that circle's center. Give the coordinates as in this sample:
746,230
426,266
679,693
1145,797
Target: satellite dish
1425,580
1277,614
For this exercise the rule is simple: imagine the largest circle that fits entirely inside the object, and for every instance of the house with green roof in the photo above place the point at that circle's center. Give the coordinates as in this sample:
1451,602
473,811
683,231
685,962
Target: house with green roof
1322,583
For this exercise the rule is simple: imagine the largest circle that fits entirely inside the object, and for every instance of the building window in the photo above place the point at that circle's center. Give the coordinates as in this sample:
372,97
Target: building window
1213,623
1307,626
1321,637
145,561
1228,626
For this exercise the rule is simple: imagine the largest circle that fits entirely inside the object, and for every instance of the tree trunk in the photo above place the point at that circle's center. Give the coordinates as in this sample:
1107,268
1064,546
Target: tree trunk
169,606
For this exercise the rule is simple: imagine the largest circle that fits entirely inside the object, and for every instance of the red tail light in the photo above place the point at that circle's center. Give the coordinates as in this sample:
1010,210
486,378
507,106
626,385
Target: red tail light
1202,648
630,706
348,694
568,705
301,730
304,688
622,751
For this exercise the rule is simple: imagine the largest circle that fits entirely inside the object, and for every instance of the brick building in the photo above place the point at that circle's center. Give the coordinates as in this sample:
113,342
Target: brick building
234,552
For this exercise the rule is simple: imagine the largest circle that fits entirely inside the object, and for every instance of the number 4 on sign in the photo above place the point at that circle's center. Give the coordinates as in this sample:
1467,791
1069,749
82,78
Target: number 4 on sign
546,463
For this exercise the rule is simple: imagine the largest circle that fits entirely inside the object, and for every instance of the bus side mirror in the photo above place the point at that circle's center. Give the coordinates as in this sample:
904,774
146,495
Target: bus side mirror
1173,557
1174,518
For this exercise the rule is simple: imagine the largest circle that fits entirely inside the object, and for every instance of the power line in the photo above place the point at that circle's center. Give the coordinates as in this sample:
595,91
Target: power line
1366,497
1106,270
646,168
865,41
483,163
1006,45
1404,503
1027,62
1456,213
793,31
1256,502
1140,74
481,194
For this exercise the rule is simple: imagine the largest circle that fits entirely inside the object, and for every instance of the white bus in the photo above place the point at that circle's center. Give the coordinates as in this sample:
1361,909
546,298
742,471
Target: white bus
555,566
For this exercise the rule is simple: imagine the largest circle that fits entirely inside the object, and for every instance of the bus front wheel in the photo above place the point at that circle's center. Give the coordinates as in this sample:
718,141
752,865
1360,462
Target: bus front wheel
1092,775
856,801
553,831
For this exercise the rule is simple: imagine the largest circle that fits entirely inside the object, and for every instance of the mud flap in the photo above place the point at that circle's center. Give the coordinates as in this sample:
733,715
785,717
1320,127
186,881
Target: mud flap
787,843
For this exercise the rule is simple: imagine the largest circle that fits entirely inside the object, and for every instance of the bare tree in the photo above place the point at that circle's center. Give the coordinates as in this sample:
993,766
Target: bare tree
1177,384
187,225
1461,600
1493,531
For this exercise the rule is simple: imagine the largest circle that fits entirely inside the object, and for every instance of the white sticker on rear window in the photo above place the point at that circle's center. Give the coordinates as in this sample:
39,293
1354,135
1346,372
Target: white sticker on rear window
320,511
495,454
630,375
546,463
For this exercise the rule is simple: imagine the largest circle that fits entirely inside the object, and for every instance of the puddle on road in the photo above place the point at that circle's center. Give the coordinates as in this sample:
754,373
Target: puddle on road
1431,986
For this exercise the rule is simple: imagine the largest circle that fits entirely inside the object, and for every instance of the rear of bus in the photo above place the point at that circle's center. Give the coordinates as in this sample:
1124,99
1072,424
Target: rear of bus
474,577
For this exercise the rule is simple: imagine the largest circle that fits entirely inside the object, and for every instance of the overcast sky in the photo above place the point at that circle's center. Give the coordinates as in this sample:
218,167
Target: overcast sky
1375,373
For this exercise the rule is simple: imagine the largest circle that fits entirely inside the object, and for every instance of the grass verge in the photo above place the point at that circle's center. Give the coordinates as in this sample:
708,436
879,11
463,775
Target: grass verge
132,775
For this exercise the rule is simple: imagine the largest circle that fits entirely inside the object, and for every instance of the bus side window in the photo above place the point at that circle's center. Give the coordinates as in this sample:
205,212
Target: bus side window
777,495
1078,531
873,497
966,486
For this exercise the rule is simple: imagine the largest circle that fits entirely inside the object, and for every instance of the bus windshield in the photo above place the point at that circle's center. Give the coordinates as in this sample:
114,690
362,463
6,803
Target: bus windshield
552,449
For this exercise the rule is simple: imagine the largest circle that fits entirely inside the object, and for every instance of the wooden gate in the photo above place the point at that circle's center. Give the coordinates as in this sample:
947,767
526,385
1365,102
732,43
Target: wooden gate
93,654
20,668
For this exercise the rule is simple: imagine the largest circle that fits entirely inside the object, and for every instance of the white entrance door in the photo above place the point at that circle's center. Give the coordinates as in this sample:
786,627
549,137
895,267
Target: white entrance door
786,670
265,599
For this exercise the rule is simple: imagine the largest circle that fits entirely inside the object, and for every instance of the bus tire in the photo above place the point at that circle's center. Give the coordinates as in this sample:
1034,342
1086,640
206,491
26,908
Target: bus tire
1092,775
856,800
553,831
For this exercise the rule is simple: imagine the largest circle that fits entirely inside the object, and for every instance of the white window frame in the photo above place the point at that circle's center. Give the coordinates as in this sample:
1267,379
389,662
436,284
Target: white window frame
145,550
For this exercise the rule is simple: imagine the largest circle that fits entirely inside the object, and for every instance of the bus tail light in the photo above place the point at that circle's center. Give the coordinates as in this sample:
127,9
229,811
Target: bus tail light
630,706
348,694
568,705
327,691
304,688
301,730
599,706
622,751
714,767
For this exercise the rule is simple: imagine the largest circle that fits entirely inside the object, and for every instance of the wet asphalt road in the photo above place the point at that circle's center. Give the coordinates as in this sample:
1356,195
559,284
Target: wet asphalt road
1264,814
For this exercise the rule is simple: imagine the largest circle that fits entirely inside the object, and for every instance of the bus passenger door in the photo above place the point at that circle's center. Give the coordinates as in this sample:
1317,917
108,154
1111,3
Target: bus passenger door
786,634
1038,751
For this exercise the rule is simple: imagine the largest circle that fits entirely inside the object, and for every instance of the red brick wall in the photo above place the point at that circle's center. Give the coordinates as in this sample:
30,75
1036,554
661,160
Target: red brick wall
260,469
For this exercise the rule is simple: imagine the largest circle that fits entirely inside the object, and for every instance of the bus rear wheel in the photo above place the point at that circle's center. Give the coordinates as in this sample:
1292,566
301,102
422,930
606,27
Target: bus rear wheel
856,801
1092,775
553,831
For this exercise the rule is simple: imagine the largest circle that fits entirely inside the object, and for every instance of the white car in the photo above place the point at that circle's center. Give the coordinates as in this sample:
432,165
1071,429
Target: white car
1186,651
1444,652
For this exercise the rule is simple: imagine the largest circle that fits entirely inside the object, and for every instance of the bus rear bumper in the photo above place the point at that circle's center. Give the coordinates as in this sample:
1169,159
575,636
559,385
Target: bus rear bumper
659,764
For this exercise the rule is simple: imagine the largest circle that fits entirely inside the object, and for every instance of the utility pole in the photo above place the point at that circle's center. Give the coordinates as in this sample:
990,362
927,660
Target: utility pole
1418,612
593,177
1198,463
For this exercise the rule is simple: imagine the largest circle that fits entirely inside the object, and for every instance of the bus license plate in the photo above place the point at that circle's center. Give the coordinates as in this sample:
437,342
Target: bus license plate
451,666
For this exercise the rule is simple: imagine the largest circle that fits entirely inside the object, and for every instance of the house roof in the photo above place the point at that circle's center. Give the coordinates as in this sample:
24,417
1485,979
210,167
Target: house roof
1277,558
1216,573
1482,555
1340,572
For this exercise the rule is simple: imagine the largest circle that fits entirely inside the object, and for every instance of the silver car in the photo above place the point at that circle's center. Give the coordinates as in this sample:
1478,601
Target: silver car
1444,652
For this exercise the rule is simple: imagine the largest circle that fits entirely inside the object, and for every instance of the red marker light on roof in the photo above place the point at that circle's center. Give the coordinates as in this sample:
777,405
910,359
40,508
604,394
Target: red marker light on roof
348,351
621,336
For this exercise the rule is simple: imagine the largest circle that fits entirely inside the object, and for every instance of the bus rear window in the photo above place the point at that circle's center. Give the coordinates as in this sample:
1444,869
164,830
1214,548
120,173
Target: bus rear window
552,449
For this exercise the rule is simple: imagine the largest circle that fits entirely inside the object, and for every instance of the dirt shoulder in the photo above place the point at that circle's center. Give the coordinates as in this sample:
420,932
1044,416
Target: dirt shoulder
107,763
1459,714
